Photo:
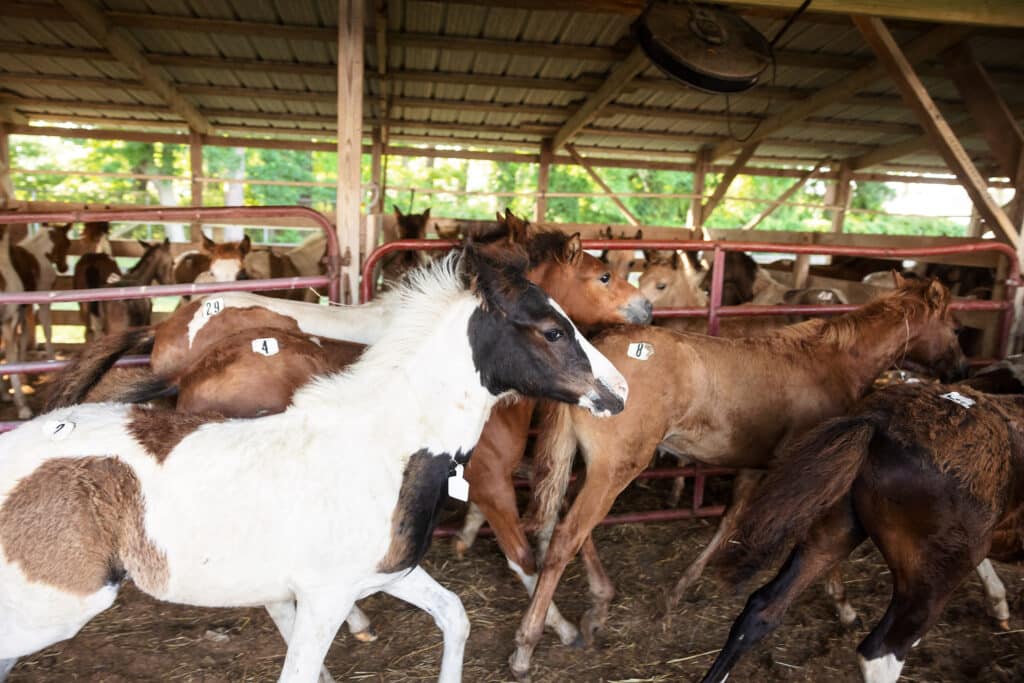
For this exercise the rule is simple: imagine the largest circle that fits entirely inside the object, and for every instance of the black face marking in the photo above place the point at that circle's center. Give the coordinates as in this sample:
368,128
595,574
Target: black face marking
518,349
423,493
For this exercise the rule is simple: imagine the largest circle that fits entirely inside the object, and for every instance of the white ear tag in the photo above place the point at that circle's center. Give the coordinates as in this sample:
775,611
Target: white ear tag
58,430
458,487
212,307
640,350
113,279
266,346
959,399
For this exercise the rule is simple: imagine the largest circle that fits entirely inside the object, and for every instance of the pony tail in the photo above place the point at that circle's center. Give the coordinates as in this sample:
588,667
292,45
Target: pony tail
808,478
552,467
73,384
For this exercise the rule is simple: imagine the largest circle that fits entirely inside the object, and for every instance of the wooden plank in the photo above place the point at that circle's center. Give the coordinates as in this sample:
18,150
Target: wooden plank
633,220
6,184
543,177
999,13
917,98
784,197
700,171
840,197
350,119
730,174
613,85
919,49
987,107
377,173
195,167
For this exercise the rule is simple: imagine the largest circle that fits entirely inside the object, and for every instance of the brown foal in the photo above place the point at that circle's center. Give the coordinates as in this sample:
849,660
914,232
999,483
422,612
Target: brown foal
723,402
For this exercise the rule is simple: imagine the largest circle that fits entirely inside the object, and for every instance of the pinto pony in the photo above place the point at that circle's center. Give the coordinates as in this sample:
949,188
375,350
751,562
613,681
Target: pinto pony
156,263
726,402
225,262
931,474
305,511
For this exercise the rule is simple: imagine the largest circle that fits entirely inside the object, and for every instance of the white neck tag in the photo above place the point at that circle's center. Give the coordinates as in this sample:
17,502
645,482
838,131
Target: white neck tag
458,487
267,346
959,399
212,307
640,350
58,430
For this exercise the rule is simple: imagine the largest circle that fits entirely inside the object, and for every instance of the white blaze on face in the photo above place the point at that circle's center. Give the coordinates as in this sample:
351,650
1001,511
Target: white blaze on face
225,270
602,368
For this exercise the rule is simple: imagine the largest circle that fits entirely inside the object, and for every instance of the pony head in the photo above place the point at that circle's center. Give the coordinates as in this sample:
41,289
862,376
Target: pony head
227,260
932,330
60,245
522,340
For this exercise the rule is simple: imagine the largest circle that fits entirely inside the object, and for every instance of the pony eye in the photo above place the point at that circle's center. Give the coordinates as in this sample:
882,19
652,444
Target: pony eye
605,278
661,285
553,334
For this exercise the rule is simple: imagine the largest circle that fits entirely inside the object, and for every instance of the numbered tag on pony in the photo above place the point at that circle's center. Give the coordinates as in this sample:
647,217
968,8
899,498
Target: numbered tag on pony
640,350
113,278
212,307
959,399
458,487
267,346
58,430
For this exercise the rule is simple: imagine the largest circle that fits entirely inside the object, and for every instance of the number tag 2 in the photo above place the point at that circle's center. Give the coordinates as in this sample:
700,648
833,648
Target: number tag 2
959,399
640,350
212,307
267,346
58,430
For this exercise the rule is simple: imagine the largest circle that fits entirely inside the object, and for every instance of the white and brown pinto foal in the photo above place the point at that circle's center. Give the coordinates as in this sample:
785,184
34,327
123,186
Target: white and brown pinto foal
305,511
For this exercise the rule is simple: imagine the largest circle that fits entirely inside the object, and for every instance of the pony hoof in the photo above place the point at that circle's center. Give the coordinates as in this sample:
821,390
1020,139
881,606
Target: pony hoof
367,635
1004,624
855,625
521,675
578,643
460,548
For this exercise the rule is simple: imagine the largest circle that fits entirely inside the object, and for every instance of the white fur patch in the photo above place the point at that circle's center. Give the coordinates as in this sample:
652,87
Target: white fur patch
881,669
640,350
225,270
266,346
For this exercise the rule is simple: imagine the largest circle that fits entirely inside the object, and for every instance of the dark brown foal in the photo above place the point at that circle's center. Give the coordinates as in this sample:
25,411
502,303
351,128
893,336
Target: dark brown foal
934,475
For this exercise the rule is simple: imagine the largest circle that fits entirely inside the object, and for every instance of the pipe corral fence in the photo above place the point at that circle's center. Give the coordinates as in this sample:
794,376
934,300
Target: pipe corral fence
714,312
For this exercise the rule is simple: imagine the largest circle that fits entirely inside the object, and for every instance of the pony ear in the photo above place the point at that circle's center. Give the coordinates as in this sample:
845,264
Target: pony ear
494,275
245,245
426,216
167,241
144,243
208,244
675,260
650,255
639,235
937,295
606,233
897,279
398,212
573,250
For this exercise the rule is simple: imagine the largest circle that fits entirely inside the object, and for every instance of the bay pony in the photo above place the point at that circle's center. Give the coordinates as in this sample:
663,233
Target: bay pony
305,511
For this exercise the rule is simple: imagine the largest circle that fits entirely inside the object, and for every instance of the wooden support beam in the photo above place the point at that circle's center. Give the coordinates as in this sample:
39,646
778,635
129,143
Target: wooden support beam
543,178
838,196
1001,13
987,107
195,168
6,183
784,197
9,114
730,174
917,98
377,172
701,167
619,77
121,46
630,218
919,49
350,122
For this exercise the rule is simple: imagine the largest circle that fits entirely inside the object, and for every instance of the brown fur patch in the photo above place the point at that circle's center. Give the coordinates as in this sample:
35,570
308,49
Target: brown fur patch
26,266
420,499
159,431
77,524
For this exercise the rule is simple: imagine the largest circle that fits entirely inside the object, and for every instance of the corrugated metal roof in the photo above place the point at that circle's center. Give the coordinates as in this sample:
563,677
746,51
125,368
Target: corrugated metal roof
428,78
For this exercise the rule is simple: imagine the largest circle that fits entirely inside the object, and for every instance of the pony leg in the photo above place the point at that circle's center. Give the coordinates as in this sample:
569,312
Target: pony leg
317,620
828,542
46,320
420,589
836,589
359,625
995,594
283,614
602,590
742,487
470,528
12,343
678,486
605,480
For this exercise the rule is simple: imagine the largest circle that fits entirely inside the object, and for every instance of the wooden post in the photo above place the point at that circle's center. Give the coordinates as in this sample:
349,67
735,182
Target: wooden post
543,178
377,172
6,183
350,147
630,218
841,196
801,269
195,158
784,197
917,98
700,171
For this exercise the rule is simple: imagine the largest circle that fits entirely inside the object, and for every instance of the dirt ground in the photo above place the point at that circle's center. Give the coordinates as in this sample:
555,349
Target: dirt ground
140,639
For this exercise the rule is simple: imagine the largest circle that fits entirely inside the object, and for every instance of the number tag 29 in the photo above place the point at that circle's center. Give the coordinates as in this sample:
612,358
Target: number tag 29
212,307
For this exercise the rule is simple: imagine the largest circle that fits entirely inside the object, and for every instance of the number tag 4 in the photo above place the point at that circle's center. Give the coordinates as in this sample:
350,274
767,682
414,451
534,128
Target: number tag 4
212,307
58,430
267,346
640,350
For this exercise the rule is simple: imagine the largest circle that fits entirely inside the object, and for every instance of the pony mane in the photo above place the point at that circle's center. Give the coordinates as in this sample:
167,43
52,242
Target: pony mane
546,245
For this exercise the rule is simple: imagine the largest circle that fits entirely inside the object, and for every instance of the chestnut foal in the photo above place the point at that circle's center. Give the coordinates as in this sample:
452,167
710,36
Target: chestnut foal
723,402
931,474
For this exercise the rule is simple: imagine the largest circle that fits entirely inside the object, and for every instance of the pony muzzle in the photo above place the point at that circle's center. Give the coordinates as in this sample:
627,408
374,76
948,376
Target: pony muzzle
639,311
606,399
